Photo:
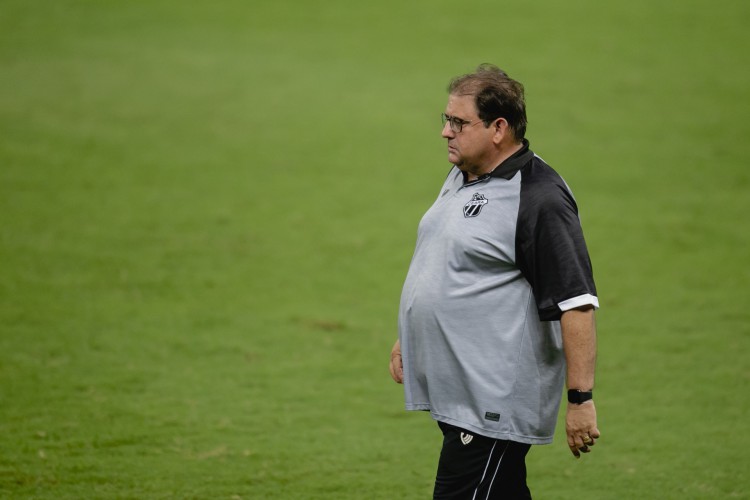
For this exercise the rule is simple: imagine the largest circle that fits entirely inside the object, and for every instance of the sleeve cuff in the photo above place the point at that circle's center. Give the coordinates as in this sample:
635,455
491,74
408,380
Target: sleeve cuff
581,300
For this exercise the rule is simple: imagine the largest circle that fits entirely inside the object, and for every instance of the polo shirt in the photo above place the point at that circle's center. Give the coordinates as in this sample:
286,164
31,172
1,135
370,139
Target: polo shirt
497,261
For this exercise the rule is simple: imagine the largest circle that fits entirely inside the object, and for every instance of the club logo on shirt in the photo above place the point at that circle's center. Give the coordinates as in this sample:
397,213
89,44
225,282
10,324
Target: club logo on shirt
472,209
466,438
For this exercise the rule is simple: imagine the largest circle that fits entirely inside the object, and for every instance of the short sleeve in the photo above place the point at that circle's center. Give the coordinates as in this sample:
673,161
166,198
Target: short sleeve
550,248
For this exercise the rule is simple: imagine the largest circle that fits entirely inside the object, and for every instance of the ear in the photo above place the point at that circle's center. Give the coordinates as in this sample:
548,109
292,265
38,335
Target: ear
501,130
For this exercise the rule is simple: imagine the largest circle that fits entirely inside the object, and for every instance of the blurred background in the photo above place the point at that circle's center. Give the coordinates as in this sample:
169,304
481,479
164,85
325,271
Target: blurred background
207,210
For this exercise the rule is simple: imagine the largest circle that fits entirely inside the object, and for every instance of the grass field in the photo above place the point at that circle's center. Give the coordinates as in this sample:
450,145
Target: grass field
207,210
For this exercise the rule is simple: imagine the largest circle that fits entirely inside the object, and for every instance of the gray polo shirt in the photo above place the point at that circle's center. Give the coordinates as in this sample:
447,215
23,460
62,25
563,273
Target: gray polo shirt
497,261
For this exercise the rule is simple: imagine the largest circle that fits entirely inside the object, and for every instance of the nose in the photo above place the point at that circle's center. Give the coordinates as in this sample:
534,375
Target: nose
448,132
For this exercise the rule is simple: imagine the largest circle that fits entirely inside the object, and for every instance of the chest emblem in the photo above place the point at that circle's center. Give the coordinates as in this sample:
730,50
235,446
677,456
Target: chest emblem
472,209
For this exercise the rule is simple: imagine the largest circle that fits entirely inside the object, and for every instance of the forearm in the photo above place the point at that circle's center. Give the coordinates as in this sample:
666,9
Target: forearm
579,343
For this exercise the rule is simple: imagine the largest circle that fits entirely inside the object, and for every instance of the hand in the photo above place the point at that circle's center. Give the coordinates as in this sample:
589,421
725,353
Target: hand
580,426
397,364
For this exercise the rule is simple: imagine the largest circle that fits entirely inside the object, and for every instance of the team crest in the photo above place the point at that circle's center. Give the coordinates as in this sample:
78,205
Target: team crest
472,209
466,438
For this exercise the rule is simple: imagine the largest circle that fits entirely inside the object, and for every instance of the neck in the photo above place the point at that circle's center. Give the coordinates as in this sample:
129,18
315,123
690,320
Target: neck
473,173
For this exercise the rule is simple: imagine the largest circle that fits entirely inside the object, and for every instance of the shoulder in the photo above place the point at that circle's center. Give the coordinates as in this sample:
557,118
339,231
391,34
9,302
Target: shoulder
543,189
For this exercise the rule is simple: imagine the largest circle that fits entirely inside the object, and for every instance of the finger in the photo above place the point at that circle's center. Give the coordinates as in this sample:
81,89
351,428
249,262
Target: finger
579,441
394,374
396,369
392,370
577,447
573,448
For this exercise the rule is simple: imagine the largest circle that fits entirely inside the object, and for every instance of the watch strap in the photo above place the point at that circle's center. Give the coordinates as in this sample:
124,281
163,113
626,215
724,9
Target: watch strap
577,396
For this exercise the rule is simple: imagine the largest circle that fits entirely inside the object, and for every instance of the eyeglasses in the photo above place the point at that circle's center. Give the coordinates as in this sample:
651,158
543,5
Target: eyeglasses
457,124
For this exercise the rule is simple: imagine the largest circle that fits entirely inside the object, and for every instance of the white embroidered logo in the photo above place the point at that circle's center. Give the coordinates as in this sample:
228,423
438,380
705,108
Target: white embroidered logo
466,438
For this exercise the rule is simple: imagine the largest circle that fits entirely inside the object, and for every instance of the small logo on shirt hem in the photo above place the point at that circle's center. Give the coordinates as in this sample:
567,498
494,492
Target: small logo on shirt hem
495,417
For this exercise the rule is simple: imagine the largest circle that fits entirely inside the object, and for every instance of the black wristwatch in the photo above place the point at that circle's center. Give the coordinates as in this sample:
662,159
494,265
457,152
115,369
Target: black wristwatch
577,396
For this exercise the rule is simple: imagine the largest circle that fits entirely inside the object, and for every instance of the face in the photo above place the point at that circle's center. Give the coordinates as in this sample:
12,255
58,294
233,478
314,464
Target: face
472,148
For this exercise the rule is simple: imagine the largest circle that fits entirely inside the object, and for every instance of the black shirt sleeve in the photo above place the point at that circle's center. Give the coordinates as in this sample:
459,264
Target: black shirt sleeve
550,249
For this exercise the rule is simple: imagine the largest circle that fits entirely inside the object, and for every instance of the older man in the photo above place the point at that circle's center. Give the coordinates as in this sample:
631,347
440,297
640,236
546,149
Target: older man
498,304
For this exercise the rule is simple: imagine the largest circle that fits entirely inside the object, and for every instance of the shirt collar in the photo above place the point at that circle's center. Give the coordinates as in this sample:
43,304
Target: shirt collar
508,168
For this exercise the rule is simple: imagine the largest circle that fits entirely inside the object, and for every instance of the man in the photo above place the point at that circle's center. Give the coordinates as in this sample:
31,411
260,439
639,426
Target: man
498,304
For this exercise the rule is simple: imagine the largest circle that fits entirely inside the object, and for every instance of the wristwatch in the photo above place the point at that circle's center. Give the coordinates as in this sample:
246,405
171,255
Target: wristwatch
577,396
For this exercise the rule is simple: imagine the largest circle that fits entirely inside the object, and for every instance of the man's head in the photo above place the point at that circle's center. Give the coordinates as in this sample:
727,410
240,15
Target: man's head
496,95
484,120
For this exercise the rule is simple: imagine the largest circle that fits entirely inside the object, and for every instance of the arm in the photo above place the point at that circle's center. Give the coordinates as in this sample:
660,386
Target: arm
579,343
397,364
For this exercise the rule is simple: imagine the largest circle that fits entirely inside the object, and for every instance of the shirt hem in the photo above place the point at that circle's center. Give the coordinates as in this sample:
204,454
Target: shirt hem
506,436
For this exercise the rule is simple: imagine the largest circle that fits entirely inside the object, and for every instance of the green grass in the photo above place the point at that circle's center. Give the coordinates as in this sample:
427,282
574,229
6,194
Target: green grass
207,211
